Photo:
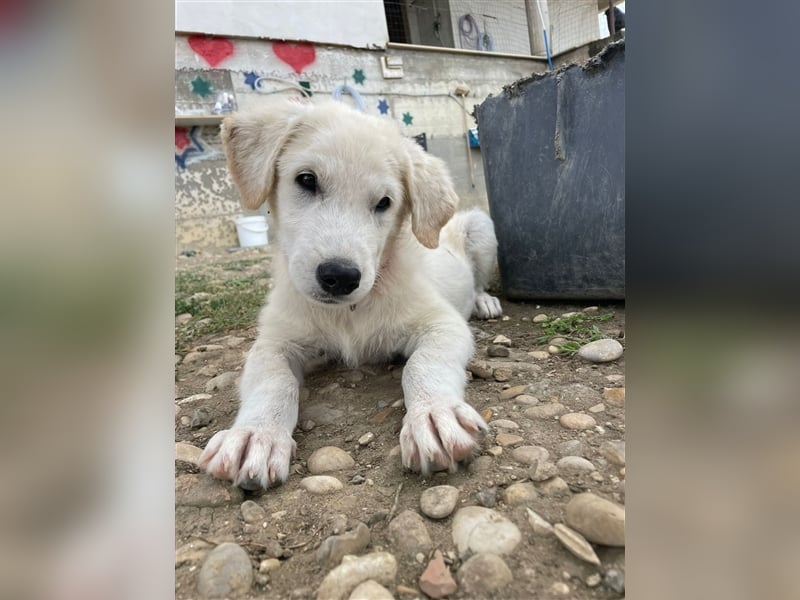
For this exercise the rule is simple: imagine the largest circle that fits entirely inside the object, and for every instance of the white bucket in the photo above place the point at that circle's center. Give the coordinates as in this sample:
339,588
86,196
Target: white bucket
252,231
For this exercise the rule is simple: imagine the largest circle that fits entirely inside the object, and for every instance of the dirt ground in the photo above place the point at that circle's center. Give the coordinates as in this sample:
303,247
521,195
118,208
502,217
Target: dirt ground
341,405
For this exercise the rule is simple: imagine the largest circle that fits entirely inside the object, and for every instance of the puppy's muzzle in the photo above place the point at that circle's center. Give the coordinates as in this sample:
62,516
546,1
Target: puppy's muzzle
338,277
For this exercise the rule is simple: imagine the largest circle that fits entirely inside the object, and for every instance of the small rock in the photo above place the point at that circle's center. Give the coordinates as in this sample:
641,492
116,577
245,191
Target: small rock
597,408
615,377
183,318
554,486
502,374
504,424
542,471
597,519
529,455
575,543
226,571
571,448
519,493
409,533
546,410
486,414
366,439
252,512
601,351
436,580
439,501
559,588
513,392
540,525
308,425
328,459
201,490
481,464
187,453
208,370
487,497
371,590
477,529
495,450
353,376
320,484
341,581
195,398
333,548
483,575
200,418
501,340
194,551
614,396
221,381
615,581
508,439
577,421
614,452
496,351
480,369
193,357
268,564
357,479
553,349
574,465
539,354
591,309
593,580
540,318
598,477
233,341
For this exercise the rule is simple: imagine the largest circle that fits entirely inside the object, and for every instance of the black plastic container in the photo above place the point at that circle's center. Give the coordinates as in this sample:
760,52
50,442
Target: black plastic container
553,150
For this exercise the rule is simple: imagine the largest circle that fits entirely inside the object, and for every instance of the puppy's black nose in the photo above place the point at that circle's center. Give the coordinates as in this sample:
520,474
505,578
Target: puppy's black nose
338,278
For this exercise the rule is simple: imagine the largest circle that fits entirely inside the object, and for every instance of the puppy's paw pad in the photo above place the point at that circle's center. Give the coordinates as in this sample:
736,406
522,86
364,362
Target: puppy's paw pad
486,307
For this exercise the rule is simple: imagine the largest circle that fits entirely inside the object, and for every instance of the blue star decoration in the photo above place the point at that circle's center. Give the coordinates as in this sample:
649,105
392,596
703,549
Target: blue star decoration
407,118
358,76
195,147
383,106
250,78
201,87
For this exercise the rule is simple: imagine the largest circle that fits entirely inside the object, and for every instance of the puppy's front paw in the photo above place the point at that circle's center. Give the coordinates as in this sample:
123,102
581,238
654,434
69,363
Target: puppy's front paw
439,435
250,457
486,307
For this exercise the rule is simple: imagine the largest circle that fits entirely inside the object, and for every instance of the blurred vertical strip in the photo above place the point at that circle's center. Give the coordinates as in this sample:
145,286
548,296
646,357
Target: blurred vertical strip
86,257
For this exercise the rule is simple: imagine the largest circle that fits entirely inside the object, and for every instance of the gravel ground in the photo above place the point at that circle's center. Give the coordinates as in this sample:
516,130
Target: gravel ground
539,514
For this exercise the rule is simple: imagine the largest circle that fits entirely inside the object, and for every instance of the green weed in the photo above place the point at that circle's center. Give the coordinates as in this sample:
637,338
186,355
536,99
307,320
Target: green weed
577,329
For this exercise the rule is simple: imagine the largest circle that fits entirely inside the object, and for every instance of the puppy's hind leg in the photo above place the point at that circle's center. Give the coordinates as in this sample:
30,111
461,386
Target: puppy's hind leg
480,245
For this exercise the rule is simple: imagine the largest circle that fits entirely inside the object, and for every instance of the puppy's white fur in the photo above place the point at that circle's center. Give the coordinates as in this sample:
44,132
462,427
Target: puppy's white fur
422,274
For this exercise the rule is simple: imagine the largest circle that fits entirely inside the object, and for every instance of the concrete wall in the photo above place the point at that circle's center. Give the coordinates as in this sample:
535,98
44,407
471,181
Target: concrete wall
206,203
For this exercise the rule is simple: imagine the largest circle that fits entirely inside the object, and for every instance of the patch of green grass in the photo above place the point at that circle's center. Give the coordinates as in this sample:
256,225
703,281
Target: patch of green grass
216,306
577,329
242,265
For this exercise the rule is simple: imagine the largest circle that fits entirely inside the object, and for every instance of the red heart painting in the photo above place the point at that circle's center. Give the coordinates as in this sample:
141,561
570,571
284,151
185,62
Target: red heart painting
213,49
297,56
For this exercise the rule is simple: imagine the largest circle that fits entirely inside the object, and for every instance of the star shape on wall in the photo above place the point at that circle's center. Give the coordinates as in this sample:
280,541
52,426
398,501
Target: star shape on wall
182,138
383,106
250,78
407,118
201,87
358,76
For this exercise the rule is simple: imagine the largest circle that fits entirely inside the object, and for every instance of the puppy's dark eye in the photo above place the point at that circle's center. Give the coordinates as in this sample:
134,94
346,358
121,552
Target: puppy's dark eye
384,204
307,181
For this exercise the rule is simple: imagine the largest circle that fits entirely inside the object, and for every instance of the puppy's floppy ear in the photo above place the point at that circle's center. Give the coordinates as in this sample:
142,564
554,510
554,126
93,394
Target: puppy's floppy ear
430,192
253,142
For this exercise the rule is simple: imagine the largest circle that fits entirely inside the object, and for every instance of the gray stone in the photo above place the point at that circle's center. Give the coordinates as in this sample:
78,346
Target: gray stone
539,354
558,588
333,548
519,493
594,580
497,351
601,351
187,453
555,486
328,459
480,464
502,374
577,421
252,512
409,534
200,418
480,369
487,497
370,590
366,439
540,525
540,318
542,471
513,392
322,414
614,452
571,448
503,424
320,484
597,519
221,381
527,399
226,572
341,581
576,543
546,410
615,581
574,465
501,340
483,575
477,529
439,501
202,490
194,398
268,564
529,455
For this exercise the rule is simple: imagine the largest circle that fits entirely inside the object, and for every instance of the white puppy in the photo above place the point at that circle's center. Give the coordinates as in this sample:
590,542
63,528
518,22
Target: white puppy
370,263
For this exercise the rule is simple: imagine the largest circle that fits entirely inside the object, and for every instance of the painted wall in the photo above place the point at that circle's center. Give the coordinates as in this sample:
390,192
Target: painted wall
505,23
206,203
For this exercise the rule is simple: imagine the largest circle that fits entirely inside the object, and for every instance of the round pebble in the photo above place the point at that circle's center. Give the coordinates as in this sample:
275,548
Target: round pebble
519,493
508,439
497,351
321,484
513,392
571,448
545,410
540,525
540,318
614,452
529,455
477,529
601,351
365,439
409,534
577,421
501,340
543,471
504,424
539,354
252,512
371,590
268,564
226,571
438,502
555,486
575,464
329,458
614,396
341,581
614,580
597,519
559,588
483,575
502,374
576,543
187,453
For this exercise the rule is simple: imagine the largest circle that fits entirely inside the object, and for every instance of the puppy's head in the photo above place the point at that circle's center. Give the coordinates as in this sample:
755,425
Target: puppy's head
341,187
